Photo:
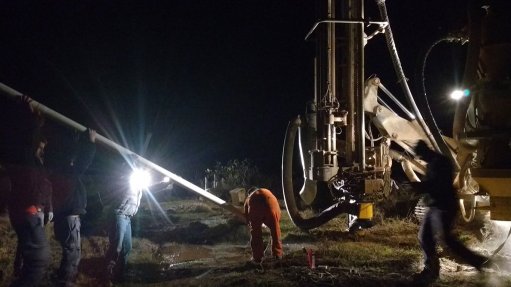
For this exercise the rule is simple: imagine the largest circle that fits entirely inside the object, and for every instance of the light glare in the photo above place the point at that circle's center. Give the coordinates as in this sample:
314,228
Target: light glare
457,94
140,179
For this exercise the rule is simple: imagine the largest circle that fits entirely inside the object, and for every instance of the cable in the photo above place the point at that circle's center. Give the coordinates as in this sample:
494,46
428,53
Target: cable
391,45
444,149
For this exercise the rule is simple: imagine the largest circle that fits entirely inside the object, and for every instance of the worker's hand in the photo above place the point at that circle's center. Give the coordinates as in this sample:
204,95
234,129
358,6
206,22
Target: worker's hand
50,216
26,100
92,135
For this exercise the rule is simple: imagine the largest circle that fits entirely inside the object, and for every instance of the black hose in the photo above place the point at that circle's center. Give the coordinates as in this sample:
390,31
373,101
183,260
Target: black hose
288,189
391,45
421,88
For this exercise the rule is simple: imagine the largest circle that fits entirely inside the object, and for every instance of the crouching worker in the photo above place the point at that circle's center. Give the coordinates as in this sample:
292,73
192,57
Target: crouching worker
125,205
262,207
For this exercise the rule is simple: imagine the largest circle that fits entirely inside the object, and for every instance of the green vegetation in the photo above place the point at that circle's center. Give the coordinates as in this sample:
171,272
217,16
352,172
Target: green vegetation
235,173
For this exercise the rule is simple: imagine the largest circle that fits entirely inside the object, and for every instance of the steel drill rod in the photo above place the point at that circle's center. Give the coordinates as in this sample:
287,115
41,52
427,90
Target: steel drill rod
8,91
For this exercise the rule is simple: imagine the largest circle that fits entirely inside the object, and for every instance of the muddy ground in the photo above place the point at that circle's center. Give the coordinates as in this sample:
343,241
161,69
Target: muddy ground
196,244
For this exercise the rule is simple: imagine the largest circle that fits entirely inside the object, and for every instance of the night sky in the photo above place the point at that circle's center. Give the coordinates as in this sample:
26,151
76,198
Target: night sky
191,82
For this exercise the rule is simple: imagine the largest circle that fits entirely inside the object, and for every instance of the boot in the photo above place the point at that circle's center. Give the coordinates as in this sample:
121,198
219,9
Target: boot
429,274
425,278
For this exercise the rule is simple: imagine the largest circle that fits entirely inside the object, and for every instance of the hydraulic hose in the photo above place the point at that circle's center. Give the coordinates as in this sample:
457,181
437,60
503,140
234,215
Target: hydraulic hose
391,45
425,103
288,189
470,75
472,210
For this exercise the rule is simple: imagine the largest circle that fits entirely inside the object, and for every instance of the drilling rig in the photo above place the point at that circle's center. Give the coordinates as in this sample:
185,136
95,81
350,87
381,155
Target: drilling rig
349,137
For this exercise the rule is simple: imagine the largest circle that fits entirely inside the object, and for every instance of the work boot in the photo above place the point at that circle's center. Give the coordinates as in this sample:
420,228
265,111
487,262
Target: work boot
425,278
253,264
275,262
110,272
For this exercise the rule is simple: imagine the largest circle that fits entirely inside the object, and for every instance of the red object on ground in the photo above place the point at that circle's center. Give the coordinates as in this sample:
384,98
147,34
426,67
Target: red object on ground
311,258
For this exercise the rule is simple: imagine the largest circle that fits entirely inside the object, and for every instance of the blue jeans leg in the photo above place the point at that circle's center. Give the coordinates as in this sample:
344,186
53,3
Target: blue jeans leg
126,244
120,245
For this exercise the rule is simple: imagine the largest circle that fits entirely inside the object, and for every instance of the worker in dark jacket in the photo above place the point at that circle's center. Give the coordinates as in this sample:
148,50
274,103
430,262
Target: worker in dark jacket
29,189
441,215
45,194
262,207
69,202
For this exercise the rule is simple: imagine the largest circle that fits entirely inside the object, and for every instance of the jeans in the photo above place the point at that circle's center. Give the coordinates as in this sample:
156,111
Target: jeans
120,245
67,232
439,223
33,248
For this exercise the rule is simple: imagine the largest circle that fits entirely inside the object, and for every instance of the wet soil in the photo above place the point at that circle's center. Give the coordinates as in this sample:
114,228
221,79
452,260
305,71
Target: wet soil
196,244
206,247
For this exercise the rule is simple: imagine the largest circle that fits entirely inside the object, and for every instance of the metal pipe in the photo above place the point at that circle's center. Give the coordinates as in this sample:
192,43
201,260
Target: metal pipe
391,45
358,39
382,24
8,91
385,104
410,115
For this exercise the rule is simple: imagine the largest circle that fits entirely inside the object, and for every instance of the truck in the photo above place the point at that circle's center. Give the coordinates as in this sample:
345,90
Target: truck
337,157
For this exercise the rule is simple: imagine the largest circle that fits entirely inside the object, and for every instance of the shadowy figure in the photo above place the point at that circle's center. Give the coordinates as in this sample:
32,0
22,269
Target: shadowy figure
262,207
69,202
439,219
22,150
5,190
46,213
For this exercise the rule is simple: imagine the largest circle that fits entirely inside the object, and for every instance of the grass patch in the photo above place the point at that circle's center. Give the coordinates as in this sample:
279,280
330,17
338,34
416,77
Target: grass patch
384,255
365,254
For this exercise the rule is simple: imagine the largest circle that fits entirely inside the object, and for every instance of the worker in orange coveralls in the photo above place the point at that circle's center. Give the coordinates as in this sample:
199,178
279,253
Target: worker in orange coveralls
262,207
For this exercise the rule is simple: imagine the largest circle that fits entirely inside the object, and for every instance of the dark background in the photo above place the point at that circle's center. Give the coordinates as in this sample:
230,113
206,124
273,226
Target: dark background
191,82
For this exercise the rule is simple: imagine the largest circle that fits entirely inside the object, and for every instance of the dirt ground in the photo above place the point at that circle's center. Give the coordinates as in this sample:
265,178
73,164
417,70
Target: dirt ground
196,244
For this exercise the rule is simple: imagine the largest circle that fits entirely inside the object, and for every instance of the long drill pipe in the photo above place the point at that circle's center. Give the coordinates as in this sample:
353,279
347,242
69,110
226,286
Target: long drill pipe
8,91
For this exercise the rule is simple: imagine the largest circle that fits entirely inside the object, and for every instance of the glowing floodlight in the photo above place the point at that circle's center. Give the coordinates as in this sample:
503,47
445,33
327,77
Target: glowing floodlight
51,114
140,179
458,94
166,179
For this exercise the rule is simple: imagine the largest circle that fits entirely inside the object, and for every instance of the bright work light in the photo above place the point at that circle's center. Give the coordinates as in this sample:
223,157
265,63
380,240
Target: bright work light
140,179
458,94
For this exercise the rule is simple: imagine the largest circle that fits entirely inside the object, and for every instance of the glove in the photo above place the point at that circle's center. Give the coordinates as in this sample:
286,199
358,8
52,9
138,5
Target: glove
50,216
